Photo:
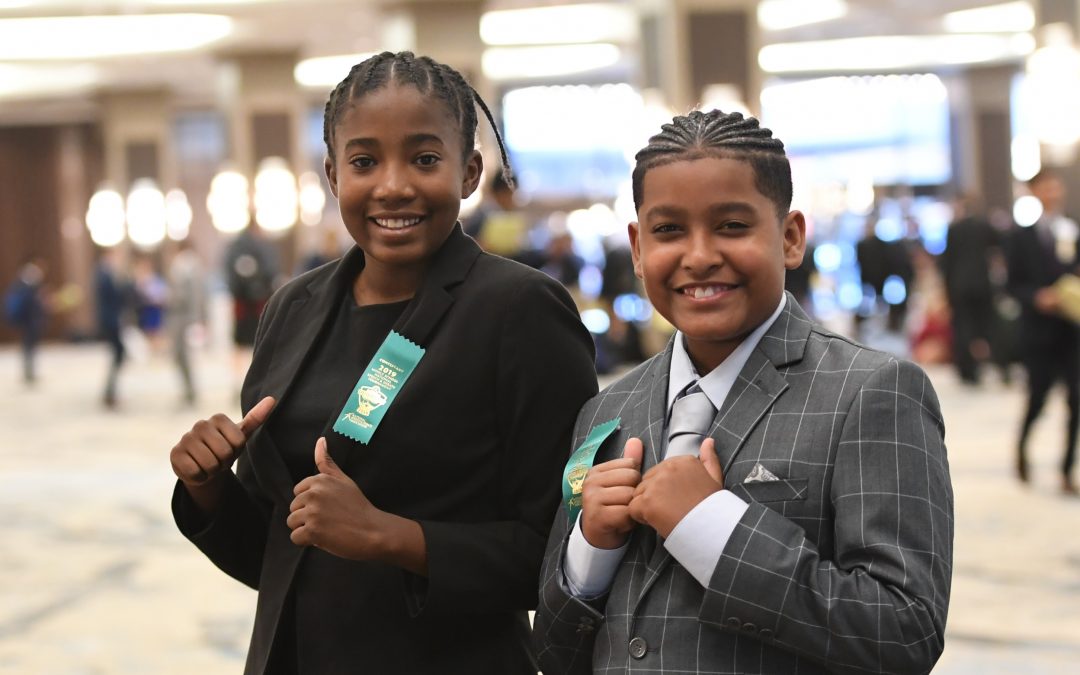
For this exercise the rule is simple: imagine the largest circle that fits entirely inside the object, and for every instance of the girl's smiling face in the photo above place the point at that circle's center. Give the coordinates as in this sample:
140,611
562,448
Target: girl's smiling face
712,252
399,175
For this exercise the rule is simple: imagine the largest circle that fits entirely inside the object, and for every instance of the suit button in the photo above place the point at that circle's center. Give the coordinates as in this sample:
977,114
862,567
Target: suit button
733,622
765,634
749,627
638,647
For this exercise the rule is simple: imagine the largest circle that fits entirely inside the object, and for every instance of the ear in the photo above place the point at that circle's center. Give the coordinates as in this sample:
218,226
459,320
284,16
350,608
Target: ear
331,174
474,168
794,233
635,248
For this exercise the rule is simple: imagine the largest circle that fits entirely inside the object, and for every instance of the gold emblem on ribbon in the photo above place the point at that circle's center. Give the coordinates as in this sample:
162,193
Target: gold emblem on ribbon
369,398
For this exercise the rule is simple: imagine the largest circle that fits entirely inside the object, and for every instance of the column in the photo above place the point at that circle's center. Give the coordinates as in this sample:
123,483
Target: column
265,110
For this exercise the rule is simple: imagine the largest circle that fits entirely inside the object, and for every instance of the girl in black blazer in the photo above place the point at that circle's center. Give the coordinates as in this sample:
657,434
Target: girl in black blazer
408,411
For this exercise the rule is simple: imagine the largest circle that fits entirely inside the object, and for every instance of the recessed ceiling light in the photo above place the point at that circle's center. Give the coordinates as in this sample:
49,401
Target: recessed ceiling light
892,52
559,24
90,37
1008,17
326,71
509,63
781,14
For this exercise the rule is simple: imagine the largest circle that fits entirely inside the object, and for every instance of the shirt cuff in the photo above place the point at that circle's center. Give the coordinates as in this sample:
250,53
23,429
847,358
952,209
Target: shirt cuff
698,540
589,571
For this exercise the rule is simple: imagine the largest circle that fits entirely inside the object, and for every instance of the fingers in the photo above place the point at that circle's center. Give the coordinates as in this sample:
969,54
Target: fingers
323,461
256,416
634,450
213,444
710,461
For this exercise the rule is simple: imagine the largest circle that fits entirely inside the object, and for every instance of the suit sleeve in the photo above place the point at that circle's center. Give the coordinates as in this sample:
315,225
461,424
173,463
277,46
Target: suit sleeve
879,603
234,537
544,374
564,628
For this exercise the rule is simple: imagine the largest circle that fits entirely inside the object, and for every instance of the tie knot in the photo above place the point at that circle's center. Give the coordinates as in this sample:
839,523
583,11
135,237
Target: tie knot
691,416
691,413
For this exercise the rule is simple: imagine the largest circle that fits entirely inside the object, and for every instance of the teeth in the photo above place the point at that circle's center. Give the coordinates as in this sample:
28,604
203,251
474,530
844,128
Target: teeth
703,291
396,223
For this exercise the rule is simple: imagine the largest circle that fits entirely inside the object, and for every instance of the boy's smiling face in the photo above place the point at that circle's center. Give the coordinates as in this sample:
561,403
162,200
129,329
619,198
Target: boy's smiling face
712,252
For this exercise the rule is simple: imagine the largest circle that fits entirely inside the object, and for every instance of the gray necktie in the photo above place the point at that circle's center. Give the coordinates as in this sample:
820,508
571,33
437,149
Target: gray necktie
691,416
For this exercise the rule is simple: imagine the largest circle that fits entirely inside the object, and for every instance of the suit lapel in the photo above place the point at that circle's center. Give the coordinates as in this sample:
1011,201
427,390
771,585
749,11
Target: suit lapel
755,391
653,404
300,330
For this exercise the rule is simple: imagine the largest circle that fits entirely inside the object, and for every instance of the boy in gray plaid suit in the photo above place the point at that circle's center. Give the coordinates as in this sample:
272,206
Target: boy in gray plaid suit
809,527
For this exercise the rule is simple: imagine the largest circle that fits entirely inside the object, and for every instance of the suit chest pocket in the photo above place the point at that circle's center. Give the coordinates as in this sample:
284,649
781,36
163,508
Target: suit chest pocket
786,490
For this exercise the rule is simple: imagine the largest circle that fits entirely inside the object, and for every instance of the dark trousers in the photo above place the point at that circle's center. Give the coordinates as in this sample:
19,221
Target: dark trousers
972,319
116,348
30,340
1044,367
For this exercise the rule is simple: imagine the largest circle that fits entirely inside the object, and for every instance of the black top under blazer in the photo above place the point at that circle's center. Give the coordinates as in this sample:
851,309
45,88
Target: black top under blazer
472,448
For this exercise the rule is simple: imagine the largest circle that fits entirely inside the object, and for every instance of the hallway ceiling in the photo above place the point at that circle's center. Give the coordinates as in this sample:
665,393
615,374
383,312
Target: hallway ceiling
328,27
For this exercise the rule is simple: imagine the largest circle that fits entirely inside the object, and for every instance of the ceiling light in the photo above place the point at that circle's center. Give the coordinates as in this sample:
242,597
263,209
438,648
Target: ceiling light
566,24
105,217
89,37
16,81
508,63
893,52
781,14
228,201
276,200
1009,17
326,71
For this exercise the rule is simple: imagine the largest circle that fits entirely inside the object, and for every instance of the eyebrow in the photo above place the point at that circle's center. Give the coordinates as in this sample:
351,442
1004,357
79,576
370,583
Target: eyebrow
410,140
722,208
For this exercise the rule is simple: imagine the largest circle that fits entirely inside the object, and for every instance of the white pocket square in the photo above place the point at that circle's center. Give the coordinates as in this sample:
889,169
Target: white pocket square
760,474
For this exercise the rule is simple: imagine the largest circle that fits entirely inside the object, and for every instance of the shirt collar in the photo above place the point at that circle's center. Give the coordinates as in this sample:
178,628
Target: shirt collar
718,383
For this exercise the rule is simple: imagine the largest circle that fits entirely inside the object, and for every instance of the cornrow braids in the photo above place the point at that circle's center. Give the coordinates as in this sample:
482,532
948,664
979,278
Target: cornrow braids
721,135
429,77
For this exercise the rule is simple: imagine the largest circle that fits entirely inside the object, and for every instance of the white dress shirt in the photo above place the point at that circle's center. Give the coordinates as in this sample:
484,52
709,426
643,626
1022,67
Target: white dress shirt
699,538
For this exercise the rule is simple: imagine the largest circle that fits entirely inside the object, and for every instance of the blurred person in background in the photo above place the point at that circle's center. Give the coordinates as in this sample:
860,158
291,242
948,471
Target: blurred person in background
499,225
251,271
186,310
26,309
559,261
878,261
329,249
1037,257
112,293
970,246
151,294
799,281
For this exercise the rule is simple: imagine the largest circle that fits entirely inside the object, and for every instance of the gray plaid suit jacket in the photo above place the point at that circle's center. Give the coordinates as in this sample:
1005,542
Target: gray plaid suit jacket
842,565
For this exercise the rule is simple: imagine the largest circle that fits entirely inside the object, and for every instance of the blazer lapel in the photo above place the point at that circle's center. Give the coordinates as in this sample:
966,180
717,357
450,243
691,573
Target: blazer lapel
755,391
305,320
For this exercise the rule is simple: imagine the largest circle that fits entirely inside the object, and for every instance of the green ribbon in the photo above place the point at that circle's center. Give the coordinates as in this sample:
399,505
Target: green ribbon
376,389
580,463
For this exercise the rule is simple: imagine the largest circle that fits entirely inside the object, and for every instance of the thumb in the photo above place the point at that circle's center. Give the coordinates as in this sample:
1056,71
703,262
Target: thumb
710,461
634,450
323,461
256,416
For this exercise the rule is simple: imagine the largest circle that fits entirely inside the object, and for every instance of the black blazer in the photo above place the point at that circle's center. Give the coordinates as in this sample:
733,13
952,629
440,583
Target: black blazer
1032,265
472,448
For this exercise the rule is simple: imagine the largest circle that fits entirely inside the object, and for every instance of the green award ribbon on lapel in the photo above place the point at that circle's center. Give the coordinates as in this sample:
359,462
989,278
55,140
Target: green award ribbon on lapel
374,392
580,463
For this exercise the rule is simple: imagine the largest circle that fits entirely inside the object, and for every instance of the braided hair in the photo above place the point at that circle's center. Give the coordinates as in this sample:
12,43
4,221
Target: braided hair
429,77
720,135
